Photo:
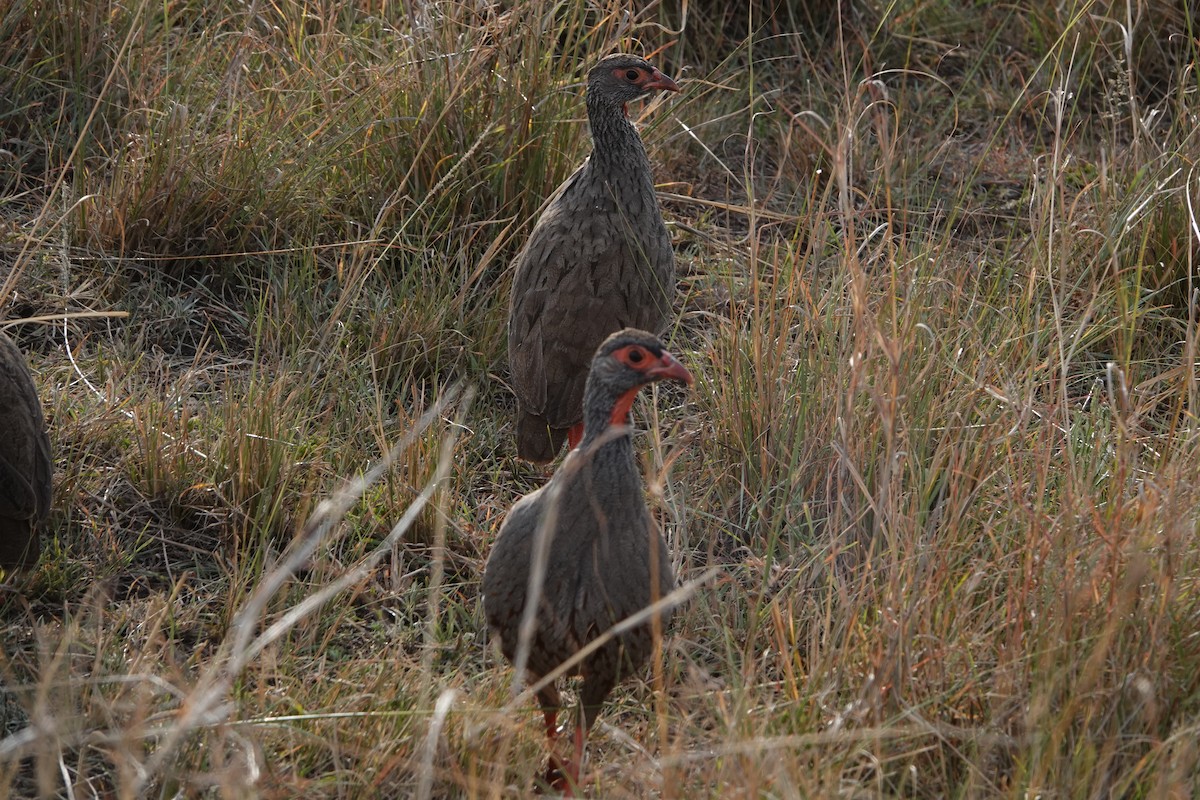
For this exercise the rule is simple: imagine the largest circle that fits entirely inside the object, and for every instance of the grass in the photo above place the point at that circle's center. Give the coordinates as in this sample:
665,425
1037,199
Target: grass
933,494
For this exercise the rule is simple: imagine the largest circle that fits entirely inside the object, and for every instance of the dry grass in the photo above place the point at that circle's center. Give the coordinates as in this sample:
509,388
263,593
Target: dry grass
935,487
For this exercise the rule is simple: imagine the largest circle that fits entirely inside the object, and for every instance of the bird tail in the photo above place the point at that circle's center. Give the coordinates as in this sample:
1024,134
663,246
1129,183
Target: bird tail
536,440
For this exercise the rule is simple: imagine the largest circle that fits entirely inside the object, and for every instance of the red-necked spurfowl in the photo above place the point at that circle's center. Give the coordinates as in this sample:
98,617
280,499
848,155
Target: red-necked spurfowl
598,260
605,558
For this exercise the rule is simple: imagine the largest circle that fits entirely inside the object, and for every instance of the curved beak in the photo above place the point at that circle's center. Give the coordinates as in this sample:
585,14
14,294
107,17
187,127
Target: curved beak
659,81
668,367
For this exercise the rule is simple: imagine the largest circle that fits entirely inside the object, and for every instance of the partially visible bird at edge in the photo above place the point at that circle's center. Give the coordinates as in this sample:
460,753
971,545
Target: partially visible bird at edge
25,465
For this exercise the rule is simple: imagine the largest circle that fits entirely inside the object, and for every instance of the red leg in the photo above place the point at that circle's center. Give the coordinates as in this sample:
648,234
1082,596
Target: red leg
580,742
550,702
557,772
566,777
574,436
563,779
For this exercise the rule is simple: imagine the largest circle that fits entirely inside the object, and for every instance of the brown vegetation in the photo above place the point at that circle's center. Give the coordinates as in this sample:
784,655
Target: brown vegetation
933,495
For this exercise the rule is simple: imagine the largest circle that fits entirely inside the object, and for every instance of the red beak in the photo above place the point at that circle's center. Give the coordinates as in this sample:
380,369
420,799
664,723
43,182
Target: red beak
668,367
659,81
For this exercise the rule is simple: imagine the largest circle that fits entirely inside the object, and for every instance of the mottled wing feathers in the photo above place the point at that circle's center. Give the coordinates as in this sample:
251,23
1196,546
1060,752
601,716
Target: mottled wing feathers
585,272
505,588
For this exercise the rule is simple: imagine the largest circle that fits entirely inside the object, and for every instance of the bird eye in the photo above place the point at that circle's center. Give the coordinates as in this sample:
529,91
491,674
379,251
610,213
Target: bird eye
636,356
632,74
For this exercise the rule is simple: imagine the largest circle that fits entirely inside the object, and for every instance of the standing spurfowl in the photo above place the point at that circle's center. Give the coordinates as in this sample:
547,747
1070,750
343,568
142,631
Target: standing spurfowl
25,465
605,559
598,260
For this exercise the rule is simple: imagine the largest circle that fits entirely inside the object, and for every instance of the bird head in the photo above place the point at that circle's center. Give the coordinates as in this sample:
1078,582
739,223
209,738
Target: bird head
625,362
620,78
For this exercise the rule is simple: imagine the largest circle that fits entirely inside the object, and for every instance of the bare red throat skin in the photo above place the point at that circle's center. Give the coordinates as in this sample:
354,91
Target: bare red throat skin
620,411
574,435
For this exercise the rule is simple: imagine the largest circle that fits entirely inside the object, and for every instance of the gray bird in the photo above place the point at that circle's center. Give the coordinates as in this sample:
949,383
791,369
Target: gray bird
606,558
25,466
598,260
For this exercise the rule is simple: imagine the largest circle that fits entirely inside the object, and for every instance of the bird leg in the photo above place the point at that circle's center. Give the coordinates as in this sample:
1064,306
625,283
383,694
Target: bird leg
550,701
595,688
573,767
559,775
563,775
556,768
567,777
574,436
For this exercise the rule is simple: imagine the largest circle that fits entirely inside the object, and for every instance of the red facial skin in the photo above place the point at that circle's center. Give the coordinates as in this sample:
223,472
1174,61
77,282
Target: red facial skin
660,367
646,79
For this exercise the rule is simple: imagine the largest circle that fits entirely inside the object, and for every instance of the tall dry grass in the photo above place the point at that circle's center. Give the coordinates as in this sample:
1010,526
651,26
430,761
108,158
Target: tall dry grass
933,493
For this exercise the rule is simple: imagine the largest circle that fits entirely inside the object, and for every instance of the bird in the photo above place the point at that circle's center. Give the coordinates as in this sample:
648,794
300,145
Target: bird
604,558
599,259
25,465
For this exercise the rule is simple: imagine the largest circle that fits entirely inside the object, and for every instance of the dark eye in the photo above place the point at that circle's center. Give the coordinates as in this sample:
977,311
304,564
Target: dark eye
632,74
636,356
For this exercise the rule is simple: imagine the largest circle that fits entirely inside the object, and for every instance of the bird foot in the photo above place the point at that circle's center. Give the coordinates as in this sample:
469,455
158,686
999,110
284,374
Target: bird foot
561,777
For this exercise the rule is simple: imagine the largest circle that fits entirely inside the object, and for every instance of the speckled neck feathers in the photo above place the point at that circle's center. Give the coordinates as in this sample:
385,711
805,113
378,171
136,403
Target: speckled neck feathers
616,146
